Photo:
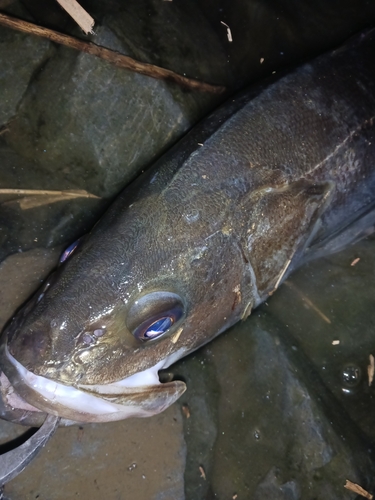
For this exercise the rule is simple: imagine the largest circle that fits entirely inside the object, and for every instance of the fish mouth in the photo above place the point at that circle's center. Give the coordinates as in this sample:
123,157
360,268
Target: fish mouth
26,397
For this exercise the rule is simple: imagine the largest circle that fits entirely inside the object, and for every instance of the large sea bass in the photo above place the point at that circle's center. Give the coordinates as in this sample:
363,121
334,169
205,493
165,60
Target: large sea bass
197,243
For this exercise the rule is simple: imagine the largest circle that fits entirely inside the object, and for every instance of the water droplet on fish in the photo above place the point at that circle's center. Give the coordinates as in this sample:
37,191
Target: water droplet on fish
257,434
351,376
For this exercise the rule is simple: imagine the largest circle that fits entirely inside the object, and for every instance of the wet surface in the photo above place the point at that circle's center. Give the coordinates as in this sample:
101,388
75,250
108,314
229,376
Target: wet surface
278,407
282,420
128,459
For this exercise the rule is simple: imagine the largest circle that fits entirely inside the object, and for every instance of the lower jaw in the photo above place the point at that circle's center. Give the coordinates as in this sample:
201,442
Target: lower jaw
18,386
16,410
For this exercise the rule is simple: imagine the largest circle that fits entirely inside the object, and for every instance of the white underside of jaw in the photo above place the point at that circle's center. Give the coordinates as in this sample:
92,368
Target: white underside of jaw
82,402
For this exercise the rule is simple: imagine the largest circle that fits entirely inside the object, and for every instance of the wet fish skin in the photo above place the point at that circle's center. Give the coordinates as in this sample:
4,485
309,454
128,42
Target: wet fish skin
220,225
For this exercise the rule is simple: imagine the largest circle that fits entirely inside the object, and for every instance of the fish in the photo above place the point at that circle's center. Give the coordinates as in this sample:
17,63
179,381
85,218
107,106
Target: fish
273,177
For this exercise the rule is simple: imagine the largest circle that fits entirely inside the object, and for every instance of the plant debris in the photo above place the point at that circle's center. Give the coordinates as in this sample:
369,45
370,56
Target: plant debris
371,370
308,302
117,59
355,488
78,13
203,474
32,198
176,336
229,33
186,410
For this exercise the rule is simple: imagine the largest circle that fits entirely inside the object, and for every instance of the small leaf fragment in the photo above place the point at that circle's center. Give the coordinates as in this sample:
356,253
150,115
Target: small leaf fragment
355,488
78,13
229,33
203,474
186,410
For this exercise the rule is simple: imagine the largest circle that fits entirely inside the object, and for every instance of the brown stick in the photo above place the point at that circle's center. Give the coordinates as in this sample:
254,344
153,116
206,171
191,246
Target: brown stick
109,55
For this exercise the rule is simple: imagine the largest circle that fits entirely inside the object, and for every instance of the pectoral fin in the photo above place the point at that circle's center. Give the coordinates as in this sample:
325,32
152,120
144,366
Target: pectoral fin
355,230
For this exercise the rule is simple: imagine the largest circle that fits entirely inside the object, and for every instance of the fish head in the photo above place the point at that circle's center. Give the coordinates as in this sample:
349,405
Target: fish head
154,280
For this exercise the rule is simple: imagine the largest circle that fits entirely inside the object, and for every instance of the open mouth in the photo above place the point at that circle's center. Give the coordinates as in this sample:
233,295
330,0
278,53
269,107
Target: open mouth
25,394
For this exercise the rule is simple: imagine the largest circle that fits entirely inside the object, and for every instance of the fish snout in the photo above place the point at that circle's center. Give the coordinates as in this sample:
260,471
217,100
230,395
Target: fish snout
30,347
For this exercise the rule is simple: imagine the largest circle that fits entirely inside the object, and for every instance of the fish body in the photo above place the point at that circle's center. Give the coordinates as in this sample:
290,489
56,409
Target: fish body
199,241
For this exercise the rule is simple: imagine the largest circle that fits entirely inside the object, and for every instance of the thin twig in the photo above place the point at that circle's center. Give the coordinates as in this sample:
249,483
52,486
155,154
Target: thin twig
32,198
73,193
112,56
283,271
308,301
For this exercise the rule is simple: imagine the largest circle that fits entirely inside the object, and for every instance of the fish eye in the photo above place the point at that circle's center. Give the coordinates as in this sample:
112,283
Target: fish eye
68,251
154,314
